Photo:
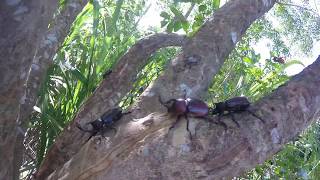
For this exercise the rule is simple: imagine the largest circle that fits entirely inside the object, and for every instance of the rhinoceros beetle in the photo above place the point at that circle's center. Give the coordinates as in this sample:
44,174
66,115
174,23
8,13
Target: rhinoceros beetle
106,121
234,105
188,107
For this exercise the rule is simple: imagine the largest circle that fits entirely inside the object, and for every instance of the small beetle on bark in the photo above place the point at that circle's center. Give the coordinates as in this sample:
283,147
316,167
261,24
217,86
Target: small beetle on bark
234,105
106,121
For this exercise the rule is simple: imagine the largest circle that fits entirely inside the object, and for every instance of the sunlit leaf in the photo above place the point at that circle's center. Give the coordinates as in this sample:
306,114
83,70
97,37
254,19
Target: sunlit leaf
170,26
202,7
185,25
177,26
216,4
177,13
293,62
247,60
165,15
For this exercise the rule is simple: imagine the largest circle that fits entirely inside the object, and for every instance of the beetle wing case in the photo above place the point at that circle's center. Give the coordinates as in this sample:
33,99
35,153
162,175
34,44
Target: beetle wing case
197,108
237,104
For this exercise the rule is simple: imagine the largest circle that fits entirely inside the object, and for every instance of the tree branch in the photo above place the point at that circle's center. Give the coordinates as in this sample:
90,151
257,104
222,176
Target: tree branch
145,141
189,10
143,148
107,96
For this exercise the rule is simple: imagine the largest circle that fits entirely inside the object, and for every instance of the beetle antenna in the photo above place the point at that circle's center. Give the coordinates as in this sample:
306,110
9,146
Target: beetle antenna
253,114
185,94
125,113
82,129
160,100
165,104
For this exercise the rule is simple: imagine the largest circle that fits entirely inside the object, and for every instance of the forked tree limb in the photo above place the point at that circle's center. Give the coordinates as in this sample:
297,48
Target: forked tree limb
109,93
144,149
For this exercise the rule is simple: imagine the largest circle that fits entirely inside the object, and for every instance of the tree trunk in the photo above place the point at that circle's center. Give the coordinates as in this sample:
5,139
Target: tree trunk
145,148
26,47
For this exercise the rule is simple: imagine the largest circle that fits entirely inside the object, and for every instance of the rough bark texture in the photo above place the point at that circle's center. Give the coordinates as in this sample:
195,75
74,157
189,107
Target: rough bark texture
143,148
107,95
26,47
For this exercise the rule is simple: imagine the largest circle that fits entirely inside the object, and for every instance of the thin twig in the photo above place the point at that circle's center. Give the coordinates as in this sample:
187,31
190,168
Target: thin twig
315,5
189,10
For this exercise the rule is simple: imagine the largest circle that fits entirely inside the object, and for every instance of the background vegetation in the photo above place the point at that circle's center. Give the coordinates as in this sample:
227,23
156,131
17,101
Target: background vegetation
104,31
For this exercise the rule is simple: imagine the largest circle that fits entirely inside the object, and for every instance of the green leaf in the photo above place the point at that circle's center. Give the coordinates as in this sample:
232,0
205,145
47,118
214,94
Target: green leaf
202,7
163,23
115,17
177,1
170,26
79,75
165,15
247,60
216,4
185,26
177,26
177,13
293,62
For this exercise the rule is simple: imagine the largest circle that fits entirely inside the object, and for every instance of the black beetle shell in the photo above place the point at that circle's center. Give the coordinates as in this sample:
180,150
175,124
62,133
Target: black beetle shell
111,116
237,104
97,125
197,108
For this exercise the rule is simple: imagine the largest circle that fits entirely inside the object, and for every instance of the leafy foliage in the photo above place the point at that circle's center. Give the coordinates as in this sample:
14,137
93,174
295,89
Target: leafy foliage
299,26
174,19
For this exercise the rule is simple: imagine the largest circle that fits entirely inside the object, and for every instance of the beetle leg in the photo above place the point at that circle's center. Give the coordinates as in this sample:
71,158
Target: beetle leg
190,135
107,127
185,94
218,122
112,128
253,114
91,135
125,113
84,130
161,101
222,123
92,132
174,124
234,120
165,104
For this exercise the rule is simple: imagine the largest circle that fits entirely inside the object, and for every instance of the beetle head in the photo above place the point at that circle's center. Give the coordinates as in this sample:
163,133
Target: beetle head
220,106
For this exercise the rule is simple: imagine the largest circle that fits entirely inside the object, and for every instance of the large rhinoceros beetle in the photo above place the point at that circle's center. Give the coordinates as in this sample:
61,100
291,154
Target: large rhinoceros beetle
234,105
188,107
106,121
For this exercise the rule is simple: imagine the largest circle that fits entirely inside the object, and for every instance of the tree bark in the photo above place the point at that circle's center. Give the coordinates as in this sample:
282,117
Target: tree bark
114,87
145,148
26,47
